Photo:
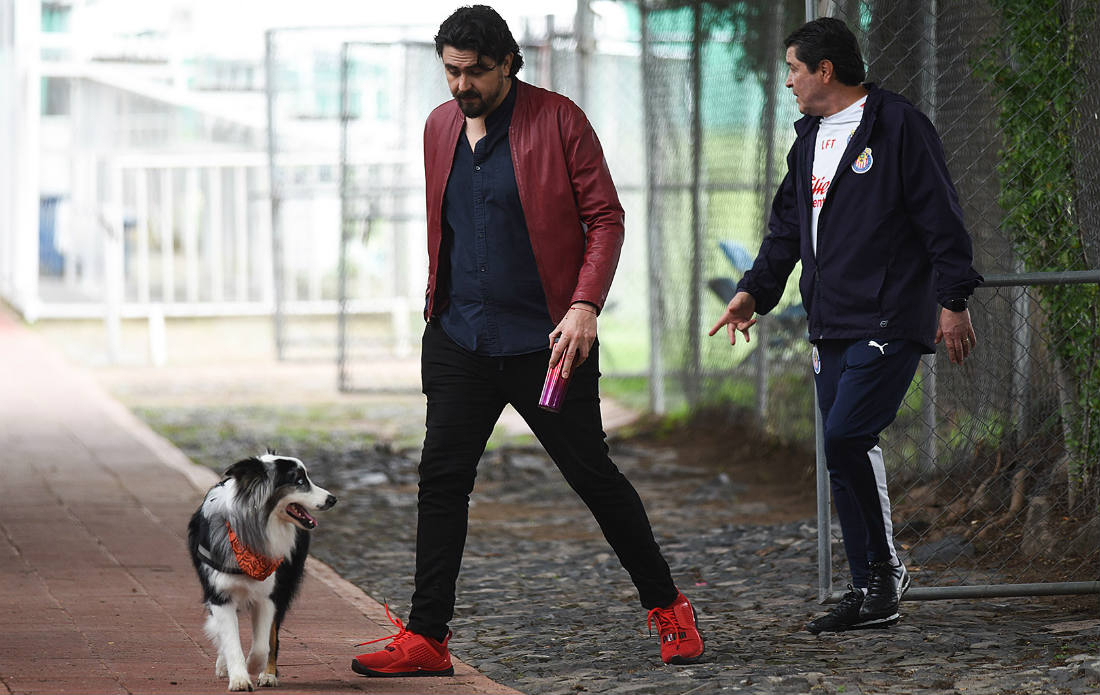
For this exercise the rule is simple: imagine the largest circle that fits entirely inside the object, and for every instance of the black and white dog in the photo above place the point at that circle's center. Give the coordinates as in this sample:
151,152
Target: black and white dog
248,542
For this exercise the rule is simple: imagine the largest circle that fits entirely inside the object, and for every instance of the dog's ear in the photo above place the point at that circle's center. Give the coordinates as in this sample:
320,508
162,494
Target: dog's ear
288,471
243,470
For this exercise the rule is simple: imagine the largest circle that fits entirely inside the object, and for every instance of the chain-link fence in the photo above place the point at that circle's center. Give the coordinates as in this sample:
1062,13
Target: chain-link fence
386,88
993,465
651,161
992,494
302,91
373,291
717,125
382,253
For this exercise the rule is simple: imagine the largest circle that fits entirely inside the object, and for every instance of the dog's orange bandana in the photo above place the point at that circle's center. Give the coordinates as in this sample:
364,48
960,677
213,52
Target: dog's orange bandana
252,564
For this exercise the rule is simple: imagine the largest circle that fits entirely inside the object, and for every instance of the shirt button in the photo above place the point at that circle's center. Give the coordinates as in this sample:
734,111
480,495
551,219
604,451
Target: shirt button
483,269
477,168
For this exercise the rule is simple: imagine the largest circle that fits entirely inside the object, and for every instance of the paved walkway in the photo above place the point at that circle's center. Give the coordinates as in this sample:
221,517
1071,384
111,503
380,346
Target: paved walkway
97,593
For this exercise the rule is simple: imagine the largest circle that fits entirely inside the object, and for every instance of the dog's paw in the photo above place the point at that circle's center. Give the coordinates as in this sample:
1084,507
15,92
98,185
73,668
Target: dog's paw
239,683
220,671
267,680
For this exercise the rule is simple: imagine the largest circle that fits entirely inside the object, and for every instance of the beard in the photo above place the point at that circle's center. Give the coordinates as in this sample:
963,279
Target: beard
474,104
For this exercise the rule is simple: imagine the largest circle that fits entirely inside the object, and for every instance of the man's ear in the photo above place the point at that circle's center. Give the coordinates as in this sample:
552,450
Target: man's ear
826,70
507,64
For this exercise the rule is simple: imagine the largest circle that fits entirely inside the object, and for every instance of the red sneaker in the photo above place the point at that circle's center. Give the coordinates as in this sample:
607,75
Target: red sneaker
681,642
409,654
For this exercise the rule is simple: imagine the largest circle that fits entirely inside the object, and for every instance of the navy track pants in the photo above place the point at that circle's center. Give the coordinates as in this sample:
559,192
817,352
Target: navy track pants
860,385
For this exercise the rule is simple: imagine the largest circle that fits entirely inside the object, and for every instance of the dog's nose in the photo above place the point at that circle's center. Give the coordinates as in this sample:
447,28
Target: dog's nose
329,501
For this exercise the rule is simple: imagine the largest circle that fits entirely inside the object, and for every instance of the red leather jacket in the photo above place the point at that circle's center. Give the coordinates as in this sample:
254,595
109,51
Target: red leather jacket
569,201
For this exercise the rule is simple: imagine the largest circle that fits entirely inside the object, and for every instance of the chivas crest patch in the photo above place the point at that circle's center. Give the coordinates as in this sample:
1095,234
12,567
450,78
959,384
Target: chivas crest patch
863,162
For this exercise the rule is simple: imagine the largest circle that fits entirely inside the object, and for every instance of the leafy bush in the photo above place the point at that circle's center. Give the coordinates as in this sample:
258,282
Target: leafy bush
1035,63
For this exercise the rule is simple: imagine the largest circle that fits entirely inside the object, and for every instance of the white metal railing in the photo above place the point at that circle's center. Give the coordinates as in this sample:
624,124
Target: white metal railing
159,236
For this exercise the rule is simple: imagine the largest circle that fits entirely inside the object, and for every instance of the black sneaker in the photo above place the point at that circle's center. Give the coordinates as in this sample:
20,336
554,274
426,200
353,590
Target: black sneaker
887,585
842,617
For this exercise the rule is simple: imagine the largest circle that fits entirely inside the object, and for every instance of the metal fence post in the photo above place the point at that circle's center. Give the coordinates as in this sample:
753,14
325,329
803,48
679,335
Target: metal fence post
342,378
693,372
824,516
653,231
114,283
824,519
762,369
274,194
584,25
1021,329
927,451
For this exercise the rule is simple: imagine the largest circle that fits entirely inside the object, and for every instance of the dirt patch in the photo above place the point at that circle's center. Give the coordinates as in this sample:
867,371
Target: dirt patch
773,481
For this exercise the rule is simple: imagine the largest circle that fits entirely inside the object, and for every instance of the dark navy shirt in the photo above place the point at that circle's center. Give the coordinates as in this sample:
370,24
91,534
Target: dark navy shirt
497,306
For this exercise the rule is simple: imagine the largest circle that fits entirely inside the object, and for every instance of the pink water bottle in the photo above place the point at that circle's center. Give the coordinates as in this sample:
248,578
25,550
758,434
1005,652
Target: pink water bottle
553,389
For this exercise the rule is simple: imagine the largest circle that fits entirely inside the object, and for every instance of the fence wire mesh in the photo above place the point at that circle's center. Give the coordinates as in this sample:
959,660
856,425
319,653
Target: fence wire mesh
1003,488
311,220
717,125
987,484
386,90
302,89
384,263
992,465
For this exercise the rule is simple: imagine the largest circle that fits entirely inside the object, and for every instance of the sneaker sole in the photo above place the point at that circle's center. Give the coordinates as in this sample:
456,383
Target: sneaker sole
875,623
685,660
364,671
861,625
880,623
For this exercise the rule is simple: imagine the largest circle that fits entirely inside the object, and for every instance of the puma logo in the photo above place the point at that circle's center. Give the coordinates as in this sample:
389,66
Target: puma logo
881,348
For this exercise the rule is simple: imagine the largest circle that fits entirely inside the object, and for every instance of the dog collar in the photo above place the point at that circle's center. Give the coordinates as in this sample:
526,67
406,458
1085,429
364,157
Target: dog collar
251,563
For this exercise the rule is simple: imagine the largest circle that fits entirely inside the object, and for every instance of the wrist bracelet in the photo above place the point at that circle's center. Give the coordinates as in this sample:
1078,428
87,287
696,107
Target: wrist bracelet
582,309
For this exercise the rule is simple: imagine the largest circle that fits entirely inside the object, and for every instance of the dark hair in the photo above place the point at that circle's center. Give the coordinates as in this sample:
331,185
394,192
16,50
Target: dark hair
829,39
479,28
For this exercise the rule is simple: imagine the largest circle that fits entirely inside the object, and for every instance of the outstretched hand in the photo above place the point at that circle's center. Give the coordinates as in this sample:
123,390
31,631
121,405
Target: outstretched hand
738,317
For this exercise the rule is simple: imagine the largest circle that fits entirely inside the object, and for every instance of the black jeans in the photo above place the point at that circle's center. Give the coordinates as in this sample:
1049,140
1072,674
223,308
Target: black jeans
466,394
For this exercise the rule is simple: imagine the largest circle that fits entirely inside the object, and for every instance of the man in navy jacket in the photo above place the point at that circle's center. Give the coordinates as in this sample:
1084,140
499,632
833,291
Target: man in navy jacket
868,206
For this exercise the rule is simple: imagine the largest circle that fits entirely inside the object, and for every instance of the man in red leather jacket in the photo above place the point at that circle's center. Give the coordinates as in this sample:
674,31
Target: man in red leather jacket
524,233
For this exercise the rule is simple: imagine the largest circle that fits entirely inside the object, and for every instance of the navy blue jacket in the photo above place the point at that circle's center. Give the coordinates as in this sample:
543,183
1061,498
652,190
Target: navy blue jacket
891,240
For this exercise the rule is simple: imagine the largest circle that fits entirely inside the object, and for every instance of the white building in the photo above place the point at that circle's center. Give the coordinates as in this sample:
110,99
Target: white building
137,154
